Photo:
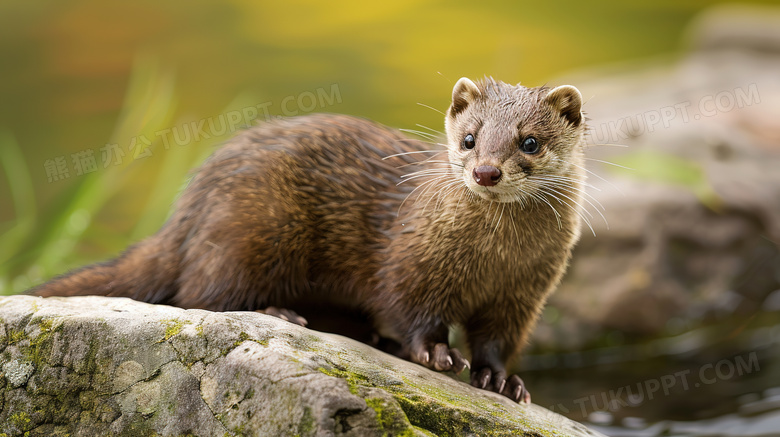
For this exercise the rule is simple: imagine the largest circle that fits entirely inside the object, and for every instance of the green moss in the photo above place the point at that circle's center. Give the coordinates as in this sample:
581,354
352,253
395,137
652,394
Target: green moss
448,419
87,399
418,431
307,425
423,415
433,391
138,427
354,380
242,337
46,325
378,405
16,335
443,412
20,420
91,358
39,347
172,327
391,419
428,408
239,430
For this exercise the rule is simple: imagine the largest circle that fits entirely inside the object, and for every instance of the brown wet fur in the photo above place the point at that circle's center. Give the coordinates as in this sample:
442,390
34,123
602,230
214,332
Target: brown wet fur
307,212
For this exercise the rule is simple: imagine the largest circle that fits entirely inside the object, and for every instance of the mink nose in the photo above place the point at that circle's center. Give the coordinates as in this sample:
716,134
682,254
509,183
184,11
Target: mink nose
487,175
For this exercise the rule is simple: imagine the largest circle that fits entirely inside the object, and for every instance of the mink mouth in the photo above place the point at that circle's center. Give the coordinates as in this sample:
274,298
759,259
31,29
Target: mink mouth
506,191
492,194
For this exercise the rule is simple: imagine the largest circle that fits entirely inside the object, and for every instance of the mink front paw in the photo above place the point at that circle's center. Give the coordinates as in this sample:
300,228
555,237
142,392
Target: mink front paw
285,314
439,356
513,388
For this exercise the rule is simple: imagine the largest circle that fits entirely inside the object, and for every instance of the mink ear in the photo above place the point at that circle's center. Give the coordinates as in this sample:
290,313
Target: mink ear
568,101
463,94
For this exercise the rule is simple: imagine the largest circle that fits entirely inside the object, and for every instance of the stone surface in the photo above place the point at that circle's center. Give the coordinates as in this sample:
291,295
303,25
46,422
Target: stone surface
89,366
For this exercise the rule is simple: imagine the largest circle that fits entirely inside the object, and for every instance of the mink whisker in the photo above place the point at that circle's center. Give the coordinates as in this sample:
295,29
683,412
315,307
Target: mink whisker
431,108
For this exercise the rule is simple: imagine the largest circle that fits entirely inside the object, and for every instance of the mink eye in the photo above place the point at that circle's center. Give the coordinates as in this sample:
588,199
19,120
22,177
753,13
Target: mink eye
468,142
529,146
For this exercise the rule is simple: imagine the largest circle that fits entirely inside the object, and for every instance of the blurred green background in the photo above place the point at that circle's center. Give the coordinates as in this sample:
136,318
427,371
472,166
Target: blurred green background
98,101
79,75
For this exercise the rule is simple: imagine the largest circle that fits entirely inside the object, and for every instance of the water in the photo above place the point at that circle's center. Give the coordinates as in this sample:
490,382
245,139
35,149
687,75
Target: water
719,380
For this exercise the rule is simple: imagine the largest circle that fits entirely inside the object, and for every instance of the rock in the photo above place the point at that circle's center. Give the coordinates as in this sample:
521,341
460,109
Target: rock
114,366
694,222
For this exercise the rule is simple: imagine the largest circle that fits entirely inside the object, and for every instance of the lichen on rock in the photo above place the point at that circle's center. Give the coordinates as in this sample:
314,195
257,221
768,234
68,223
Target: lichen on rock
17,371
113,366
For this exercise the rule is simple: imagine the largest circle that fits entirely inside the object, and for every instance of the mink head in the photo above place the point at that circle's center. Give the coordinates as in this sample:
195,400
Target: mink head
511,143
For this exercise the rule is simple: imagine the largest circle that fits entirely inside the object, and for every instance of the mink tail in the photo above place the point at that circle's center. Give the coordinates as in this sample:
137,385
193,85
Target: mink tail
144,272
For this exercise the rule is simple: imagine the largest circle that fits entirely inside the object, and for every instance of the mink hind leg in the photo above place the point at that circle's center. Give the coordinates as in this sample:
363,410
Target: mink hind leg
285,314
224,269
233,285
426,341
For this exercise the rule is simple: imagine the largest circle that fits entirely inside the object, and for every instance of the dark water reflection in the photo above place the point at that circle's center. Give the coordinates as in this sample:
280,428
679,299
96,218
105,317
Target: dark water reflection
720,380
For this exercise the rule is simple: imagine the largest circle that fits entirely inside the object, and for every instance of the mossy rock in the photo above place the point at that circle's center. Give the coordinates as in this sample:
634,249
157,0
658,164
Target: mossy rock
113,366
